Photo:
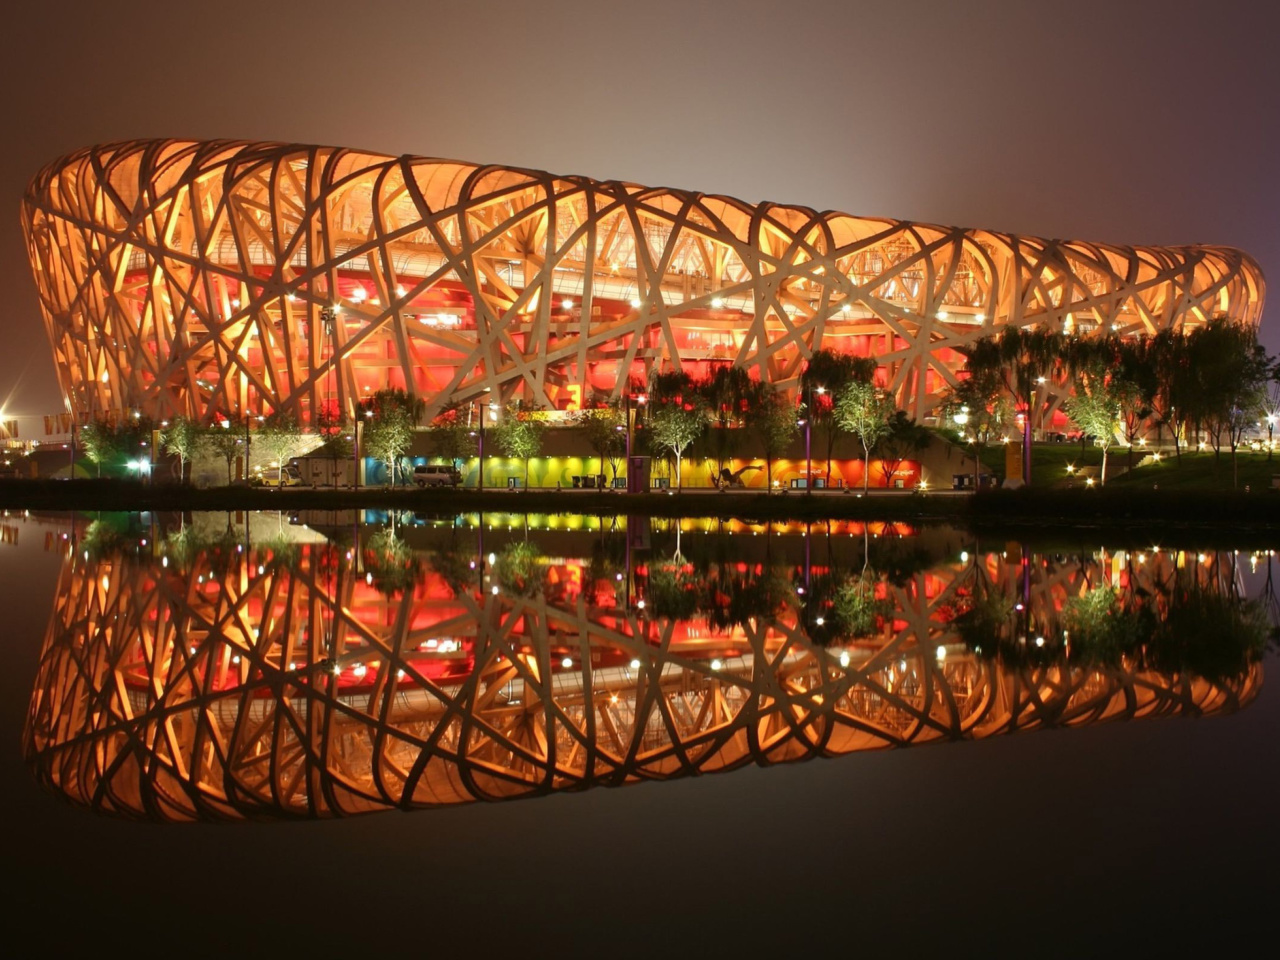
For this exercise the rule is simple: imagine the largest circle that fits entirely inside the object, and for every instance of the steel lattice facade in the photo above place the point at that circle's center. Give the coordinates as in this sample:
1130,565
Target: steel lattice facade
189,278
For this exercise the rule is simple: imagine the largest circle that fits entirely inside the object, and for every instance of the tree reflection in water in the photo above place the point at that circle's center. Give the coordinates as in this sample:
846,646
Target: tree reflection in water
288,676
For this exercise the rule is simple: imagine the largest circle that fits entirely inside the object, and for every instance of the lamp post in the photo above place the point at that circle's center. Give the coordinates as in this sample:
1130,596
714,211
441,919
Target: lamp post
329,317
480,453
641,399
821,392
961,417
355,446
493,415
1271,426
807,423
246,443
1026,433
808,457
492,409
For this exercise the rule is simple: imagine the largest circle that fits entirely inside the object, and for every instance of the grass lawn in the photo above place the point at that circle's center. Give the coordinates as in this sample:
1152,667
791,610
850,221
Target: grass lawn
1197,471
1201,471
1049,461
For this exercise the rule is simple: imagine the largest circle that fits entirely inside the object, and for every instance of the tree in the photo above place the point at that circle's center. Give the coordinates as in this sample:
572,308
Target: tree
1230,369
826,374
904,438
520,434
330,421
856,610
1131,380
135,434
392,565
677,414
1271,409
1022,359
389,417
452,437
225,442
331,425
605,430
1095,408
388,436
776,426
521,568
980,410
1103,629
100,443
863,410
183,439
731,395
674,590
1170,367
281,438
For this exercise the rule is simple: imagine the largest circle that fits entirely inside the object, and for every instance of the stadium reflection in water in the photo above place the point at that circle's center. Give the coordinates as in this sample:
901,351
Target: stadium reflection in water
227,669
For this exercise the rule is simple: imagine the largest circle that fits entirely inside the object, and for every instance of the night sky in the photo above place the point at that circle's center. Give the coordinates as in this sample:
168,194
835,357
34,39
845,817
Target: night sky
1130,122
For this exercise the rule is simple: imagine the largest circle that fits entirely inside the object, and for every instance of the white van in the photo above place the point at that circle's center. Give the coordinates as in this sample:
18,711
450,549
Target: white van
436,475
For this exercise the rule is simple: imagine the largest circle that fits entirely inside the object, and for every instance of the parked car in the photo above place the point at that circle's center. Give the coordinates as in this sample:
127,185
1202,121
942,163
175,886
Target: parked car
436,475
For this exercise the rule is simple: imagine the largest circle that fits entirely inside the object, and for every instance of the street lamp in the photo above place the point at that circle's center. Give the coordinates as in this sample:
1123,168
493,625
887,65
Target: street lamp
480,454
641,400
808,458
807,423
329,317
493,414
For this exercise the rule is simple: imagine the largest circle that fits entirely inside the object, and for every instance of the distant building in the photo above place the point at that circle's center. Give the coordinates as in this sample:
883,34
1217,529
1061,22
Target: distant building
196,278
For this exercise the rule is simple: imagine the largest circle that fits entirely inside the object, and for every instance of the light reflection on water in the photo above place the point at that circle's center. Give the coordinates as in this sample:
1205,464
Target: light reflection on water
266,667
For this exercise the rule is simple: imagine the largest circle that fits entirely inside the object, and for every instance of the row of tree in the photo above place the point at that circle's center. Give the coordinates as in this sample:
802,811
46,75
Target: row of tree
839,396
389,418
277,437
838,392
1215,381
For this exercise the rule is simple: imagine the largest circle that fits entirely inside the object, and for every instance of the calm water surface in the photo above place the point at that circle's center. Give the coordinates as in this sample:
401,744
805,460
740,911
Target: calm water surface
247,702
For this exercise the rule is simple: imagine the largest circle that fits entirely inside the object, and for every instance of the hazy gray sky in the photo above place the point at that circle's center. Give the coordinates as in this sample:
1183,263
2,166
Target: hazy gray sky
1132,122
